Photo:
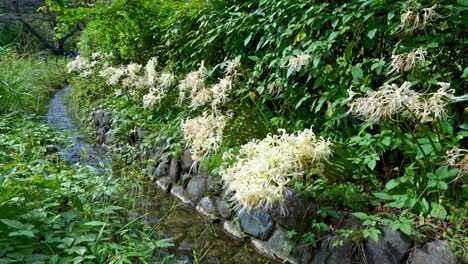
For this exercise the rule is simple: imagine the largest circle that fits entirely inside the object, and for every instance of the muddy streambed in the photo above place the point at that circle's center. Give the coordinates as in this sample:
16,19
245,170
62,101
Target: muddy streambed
194,236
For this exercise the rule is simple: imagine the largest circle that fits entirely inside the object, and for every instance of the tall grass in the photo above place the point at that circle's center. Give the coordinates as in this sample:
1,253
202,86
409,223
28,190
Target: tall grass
27,81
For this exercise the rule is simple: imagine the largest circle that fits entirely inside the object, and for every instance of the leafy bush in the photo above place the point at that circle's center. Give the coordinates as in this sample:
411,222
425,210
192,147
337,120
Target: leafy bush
326,65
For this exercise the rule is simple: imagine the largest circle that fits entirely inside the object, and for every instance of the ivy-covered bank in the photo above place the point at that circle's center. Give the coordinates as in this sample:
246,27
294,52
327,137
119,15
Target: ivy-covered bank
356,106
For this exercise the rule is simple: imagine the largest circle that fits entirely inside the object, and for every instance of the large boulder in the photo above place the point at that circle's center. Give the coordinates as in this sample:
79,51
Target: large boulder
391,248
257,223
435,252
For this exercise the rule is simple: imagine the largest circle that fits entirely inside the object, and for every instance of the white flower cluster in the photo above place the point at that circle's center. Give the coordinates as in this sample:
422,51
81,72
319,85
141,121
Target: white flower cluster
83,66
201,95
264,167
402,61
204,134
134,76
453,159
295,63
193,83
391,101
412,20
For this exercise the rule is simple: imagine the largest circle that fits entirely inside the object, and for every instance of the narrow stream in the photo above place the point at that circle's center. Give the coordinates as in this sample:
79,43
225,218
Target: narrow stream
196,239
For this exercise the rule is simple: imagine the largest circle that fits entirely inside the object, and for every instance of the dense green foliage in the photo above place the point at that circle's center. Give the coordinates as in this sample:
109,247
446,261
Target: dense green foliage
26,82
395,171
50,211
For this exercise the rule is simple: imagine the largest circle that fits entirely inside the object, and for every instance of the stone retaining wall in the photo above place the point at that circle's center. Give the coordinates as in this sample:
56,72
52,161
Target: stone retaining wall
267,230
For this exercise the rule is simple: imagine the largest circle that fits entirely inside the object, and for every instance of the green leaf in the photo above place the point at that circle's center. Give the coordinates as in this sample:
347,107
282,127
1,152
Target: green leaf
95,223
13,223
383,196
360,215
392,184
26,233
371,33
406,228
163,243
463,2
247,40
438,211
357,73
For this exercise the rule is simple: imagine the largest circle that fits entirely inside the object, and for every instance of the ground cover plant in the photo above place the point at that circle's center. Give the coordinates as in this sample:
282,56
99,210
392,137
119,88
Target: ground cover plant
52,211
383,81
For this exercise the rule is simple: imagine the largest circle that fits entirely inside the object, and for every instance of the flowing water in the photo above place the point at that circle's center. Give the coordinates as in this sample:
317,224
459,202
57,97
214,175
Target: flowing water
196,238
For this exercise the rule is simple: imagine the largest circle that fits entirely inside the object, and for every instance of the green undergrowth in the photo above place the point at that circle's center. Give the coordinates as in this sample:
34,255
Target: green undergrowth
54,213
51,211
27,82
306,64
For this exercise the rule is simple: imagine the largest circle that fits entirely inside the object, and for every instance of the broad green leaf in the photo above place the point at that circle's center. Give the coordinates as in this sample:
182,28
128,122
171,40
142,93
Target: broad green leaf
360,215
13,223
383,196
438,211
392,184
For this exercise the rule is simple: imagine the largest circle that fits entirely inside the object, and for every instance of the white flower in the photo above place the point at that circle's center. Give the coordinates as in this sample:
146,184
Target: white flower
193,82
390,101
296,63
204,134
265,167
150,71
401,61
232,66
221,90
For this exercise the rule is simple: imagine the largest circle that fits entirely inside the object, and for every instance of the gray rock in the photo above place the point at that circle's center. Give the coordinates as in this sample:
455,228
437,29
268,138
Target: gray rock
179,193
391,248
187,161
185,179
106,118
157,153
223,209
340,253
435,252
294,213
196,187
346,220
256,223
161,171
174,170
207,207
232,229
164,184
282,246
263,248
